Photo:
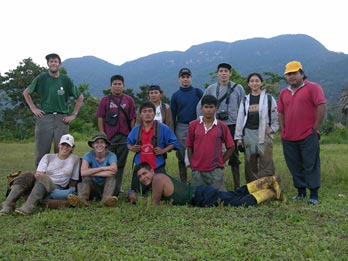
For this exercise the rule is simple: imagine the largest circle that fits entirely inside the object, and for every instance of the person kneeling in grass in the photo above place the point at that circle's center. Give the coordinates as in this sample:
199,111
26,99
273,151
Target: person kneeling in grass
168,189
98,171
54,181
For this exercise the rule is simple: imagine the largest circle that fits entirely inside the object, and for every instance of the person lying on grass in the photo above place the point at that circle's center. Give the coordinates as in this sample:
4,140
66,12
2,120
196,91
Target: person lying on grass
54,181
168,189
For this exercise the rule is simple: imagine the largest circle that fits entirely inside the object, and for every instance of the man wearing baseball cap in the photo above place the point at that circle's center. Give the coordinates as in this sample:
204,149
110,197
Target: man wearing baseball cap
183,105
52,119
301,108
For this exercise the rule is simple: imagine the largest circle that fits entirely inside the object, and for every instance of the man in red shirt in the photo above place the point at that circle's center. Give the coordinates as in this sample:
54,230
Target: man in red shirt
301,108
204,142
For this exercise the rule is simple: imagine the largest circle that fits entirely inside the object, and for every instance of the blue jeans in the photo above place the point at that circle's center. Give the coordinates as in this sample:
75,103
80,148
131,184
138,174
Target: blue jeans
61,194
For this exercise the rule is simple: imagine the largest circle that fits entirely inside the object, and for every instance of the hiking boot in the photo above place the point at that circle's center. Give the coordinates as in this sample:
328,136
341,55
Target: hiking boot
111,202
75,201
299,197
37,193
313,201
9,204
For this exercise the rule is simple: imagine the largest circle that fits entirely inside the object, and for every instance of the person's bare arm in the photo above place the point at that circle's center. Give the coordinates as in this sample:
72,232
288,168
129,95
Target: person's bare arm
101,124
321,111
77,107
106,171
37,112
281,121
159,151
228,153
157,188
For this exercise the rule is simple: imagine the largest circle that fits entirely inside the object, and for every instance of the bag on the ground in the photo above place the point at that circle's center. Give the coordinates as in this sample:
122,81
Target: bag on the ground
10,179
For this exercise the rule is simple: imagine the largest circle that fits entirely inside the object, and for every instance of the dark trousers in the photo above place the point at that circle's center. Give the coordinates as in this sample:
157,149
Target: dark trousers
208,196
119,147
303,161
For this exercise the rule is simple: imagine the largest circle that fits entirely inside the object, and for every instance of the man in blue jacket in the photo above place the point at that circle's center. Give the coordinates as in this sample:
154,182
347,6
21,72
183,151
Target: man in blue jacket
150,141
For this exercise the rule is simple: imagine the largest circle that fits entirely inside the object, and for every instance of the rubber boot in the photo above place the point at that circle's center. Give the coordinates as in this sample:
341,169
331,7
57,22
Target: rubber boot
56,203
37,193
236,176
263,195
269,182
109,187
83,192
182,172
9,204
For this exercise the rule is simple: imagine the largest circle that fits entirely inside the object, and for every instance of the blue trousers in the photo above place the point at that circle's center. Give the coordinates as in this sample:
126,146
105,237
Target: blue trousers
208,196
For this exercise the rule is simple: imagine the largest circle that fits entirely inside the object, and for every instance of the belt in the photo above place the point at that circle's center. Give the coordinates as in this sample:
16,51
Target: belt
55,112
184,122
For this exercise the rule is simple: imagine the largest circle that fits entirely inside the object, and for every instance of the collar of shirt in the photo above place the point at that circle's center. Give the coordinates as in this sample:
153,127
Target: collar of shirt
205,127
292,91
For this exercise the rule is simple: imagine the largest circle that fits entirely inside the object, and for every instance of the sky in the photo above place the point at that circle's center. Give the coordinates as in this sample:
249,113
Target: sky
121,31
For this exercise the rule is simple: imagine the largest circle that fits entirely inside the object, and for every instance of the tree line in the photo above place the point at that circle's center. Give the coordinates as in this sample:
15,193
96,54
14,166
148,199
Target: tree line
17,122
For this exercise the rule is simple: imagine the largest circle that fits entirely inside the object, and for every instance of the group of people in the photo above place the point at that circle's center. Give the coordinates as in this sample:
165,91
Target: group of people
206,129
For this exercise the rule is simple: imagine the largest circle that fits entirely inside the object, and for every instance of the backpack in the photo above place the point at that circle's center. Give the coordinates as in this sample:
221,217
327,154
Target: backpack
155,137
269,105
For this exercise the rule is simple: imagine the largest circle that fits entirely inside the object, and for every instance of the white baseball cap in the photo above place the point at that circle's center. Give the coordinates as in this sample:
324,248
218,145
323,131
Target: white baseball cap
68,139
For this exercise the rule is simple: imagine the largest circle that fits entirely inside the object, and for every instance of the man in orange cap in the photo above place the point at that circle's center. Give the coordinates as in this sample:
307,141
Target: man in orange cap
301,108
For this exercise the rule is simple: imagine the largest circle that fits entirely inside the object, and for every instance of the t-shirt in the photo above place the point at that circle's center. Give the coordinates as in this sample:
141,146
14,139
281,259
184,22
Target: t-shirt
182,193
300,110
54,92
253,113
128,105
93,163
60,171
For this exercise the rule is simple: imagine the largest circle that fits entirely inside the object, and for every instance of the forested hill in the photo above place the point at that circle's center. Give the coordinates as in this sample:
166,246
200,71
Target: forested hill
328,68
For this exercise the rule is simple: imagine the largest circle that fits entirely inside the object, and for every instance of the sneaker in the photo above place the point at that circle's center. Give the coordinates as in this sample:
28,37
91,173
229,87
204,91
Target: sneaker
313,201
299,197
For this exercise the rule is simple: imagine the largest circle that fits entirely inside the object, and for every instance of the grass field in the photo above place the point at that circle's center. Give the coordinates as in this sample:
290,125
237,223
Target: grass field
270,231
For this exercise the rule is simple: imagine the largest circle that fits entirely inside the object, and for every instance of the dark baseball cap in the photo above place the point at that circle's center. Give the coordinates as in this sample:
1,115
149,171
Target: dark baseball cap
53,56
185,71
154,87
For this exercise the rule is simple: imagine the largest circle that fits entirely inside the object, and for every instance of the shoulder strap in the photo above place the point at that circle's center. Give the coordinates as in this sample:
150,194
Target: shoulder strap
121,109
138,140
155,137
269,102
229,91
198,93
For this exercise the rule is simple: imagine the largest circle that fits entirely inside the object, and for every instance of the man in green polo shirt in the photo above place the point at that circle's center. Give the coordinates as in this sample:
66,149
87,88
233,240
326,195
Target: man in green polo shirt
52,120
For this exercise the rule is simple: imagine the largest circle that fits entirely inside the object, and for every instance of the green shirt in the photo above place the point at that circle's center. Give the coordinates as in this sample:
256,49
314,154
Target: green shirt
182,194
54,92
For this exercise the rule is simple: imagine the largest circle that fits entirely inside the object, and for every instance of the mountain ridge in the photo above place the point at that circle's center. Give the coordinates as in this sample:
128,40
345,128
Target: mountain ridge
328,68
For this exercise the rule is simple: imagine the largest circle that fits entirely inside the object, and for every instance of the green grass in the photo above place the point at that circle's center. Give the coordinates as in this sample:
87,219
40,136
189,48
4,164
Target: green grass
270,231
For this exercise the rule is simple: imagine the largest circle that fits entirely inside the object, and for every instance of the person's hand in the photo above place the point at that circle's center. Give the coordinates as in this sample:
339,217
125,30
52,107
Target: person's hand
132,196
68,119
38,113
110,168
135,148
240,146
39,174
158,151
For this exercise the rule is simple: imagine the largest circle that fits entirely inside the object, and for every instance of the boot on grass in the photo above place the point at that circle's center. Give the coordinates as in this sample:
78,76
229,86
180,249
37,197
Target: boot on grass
9,204
37,193
269,182
263,195
108,198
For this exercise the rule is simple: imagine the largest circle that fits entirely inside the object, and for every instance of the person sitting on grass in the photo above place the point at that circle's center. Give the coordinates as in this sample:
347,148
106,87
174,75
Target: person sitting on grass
168,189
98,171
54,181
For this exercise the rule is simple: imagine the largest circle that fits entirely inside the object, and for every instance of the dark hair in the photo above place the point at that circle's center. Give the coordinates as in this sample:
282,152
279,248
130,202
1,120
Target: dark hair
224,65
142,165
254,74
53,56
304,75
147,104
117,77
209,100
